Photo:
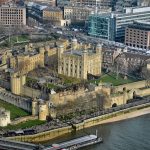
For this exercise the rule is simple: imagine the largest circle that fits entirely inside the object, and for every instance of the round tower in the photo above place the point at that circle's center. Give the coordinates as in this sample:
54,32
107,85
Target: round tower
43,111
74,44
15,84
99,48
35,108
26,48
23,79
60,50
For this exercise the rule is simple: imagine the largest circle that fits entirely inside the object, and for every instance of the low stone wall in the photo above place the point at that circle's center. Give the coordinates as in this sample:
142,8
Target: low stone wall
23,119
30,92
130,86
44,136
145,92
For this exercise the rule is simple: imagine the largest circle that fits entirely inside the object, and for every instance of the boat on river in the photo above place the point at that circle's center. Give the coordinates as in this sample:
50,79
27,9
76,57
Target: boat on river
76,143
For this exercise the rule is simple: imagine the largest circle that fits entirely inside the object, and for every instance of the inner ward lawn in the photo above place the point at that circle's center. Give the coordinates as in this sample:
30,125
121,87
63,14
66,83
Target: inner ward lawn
15,112
111,78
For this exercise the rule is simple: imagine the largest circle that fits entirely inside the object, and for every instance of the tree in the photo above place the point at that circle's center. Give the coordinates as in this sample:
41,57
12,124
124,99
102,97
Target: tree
23,66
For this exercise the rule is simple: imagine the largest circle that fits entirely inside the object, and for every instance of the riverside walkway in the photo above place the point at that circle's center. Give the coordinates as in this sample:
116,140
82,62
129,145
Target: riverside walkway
6,144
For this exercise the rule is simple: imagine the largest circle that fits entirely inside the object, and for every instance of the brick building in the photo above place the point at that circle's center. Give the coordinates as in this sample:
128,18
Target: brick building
138,35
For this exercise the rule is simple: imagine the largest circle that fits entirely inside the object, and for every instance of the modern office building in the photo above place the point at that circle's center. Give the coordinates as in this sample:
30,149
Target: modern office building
138,35
101,26
12,15
112,25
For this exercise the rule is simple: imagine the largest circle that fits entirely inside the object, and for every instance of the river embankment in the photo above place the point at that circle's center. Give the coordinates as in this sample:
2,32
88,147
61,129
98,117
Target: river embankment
103,119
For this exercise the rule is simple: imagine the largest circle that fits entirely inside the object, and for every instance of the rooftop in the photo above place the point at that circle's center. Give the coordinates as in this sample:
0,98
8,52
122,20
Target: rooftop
52,9
36,5
11,6
79,52
127,11
141,25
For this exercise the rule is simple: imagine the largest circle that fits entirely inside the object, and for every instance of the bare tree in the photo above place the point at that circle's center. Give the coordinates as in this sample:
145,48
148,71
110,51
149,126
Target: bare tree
23,66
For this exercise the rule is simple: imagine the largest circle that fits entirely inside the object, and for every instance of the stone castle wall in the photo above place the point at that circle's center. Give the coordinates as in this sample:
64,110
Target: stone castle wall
30,92
129,86
21,102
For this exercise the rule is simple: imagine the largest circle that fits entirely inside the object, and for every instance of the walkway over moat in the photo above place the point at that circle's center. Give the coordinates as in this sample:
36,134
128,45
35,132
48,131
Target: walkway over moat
15,145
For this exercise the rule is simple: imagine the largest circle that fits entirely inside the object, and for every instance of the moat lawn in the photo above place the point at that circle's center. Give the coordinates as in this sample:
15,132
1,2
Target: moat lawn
24,125
111,78
20,38
15,112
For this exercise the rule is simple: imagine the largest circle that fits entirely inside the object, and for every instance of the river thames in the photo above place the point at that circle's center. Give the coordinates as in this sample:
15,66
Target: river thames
131,134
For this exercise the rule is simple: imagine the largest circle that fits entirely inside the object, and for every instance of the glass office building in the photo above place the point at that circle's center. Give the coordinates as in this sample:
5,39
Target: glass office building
101,26
111,26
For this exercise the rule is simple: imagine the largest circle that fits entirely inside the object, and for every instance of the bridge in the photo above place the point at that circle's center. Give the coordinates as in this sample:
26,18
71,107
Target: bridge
6,144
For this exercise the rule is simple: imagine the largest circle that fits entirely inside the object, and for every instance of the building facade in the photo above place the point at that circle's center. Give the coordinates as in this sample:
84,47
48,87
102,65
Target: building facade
79,61
112,25
138,35
12,15
52,14
131,63
27,60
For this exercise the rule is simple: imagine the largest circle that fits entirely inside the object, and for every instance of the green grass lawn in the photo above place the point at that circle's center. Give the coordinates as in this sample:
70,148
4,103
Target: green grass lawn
21,38
69,80
29,79
15,112
51,86
111,78
24,125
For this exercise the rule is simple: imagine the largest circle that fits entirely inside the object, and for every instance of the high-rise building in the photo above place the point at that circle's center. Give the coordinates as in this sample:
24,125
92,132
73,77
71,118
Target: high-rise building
112,25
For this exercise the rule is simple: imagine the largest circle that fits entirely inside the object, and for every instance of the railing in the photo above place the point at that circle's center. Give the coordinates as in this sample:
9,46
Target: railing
13,145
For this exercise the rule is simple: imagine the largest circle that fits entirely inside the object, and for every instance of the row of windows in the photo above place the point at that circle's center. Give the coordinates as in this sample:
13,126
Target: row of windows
71,65
137,33
71,72
137,41
8,18
10,22
136,37
135,45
